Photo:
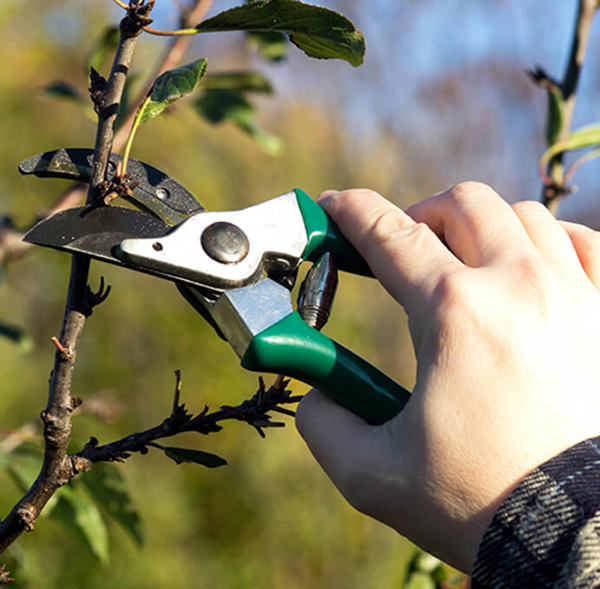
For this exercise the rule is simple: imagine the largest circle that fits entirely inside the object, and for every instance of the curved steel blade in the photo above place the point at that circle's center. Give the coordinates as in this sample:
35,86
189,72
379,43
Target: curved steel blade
156,193
94,231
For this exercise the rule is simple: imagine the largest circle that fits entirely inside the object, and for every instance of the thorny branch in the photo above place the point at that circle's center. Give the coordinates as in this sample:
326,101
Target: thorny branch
56,417
254,411
568,85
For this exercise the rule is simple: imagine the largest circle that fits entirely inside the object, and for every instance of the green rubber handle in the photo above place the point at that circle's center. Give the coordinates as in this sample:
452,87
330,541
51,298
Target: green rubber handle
324,236
293,348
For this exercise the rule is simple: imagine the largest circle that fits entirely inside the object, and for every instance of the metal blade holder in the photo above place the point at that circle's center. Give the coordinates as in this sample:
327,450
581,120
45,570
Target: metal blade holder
317,292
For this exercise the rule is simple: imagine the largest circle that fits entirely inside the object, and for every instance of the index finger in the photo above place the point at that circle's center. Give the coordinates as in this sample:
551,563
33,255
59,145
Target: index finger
407,257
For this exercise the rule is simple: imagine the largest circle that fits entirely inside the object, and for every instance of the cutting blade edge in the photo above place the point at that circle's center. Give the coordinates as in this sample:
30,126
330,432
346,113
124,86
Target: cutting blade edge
94,231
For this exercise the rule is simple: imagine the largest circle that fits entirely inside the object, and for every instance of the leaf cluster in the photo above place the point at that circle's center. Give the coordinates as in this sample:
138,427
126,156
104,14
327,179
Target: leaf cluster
84,506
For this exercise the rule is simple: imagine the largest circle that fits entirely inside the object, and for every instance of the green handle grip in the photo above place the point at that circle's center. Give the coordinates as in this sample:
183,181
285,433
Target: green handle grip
324,236
293,348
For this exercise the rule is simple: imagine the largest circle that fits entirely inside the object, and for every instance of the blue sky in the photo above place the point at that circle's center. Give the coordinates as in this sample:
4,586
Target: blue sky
413,45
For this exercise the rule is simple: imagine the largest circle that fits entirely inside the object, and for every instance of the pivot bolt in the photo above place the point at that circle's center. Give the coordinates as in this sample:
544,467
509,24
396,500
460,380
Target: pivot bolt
225,242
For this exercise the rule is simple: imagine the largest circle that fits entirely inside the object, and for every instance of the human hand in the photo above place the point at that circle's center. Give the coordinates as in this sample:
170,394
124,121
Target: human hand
504,313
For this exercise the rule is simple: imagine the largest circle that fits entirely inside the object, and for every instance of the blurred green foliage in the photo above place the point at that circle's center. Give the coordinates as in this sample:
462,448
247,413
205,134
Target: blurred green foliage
268,519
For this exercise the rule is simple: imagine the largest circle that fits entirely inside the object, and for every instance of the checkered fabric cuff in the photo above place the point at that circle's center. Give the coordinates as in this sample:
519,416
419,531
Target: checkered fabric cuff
547,532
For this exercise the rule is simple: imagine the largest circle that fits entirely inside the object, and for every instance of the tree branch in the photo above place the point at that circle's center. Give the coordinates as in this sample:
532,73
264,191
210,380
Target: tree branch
56,469
585,14
254,411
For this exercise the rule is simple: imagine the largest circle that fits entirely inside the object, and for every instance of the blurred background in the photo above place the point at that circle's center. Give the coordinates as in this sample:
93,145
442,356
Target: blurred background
442,97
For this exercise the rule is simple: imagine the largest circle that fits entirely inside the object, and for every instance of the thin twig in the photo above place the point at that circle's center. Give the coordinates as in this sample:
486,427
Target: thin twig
585,14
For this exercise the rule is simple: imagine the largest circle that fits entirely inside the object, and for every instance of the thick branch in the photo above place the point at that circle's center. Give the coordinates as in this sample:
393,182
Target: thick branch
56,417
585,14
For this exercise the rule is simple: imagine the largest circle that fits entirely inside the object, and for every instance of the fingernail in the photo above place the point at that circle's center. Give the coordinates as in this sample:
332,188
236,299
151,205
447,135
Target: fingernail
325,196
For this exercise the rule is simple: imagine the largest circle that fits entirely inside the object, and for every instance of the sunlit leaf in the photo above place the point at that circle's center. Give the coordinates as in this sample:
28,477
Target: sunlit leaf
107,485
272,46
319,32
180,455
77,510
63,90
103,49
171,86
588,136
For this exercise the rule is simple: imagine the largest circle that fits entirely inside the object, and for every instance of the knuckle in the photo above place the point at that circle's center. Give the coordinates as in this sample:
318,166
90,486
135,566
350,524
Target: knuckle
344,197
385,226
389,227
467,191
529,208
450,293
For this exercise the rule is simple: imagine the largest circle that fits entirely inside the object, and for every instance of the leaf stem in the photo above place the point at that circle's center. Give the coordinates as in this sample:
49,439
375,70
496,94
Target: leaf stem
175,33
136,123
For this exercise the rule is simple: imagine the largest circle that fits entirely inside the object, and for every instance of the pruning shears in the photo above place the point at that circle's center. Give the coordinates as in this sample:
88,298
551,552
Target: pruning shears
235,267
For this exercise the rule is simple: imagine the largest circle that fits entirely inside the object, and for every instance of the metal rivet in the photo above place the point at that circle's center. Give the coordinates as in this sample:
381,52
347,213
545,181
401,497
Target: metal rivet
157,246
225,242
162,193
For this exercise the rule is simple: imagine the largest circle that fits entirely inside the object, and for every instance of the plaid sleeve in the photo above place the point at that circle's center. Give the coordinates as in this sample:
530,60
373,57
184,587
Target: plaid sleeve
547,532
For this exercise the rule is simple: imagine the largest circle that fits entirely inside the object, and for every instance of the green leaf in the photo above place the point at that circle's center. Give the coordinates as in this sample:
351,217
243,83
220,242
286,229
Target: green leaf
17,336
63,90
171,86
23,467
80,514
270,144
272,46
319,32
180,455
238,81
106,484
221,105
588,136
104,47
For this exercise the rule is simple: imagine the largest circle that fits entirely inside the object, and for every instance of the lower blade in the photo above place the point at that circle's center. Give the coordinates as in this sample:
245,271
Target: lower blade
94,231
